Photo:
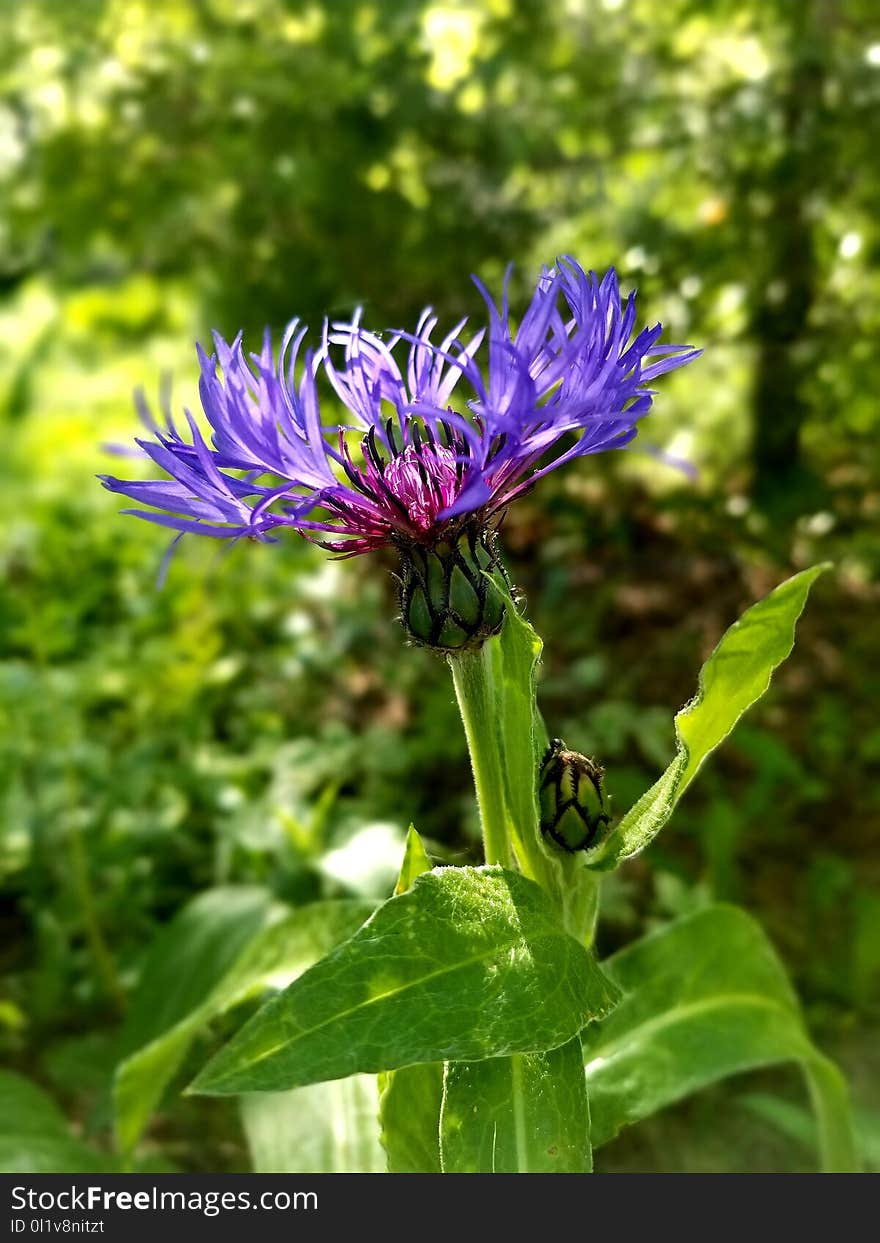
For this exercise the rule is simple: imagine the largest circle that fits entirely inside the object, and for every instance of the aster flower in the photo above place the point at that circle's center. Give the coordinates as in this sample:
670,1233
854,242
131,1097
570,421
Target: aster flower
406,467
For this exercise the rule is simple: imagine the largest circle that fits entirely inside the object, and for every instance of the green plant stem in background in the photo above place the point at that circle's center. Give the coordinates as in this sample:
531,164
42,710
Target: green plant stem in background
829,1095
471,675
105,967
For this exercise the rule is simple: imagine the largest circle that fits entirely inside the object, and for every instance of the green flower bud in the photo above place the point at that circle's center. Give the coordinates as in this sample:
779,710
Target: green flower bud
452,592
573,809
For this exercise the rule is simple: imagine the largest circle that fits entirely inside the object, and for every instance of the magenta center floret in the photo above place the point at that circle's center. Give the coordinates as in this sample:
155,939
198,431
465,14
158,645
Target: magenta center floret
426,480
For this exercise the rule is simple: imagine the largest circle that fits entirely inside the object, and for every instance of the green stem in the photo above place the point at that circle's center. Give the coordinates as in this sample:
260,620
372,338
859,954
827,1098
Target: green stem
105,967
504,841
472,677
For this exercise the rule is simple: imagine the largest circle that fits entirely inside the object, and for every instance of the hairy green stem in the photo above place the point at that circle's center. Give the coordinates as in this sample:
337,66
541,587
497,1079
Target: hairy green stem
506,840
471,676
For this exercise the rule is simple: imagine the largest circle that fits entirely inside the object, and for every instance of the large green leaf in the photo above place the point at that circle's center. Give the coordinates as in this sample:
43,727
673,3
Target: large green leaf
525,1114
191,955
326,1128
34,1135
734,677
268,957
469,963
704,998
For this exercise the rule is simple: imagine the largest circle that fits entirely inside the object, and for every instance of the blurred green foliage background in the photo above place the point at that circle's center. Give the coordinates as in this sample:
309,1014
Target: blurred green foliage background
175,165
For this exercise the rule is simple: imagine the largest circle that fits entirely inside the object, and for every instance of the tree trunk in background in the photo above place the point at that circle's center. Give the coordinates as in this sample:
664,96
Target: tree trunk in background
781,305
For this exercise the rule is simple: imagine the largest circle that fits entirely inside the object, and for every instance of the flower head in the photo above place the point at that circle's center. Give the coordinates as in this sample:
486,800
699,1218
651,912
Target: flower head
404,465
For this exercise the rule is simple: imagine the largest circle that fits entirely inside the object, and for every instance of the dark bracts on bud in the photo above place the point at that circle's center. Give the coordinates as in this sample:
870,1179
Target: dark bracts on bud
452,592
572,798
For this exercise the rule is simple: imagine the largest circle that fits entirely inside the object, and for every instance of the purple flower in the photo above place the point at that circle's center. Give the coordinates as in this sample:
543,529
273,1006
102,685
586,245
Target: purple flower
404,466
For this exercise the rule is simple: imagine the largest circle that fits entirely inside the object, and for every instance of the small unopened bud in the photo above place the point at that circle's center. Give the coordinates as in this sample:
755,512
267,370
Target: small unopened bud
573,810
451,592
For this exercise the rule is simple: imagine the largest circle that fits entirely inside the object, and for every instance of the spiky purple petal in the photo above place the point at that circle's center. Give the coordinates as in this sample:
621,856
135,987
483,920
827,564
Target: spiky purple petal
401,464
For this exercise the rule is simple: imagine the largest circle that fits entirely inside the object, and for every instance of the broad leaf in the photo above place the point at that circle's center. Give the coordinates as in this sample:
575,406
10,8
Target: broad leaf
190,956
734,677
469,963
268,957
525,1114
34,1135
704,998
409,1118
326,1128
